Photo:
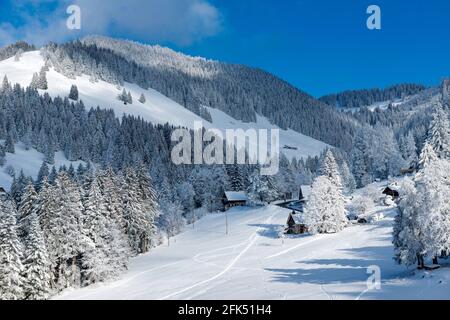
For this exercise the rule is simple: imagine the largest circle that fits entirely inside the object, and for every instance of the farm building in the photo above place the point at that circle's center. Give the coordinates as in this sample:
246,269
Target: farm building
295,224
234,199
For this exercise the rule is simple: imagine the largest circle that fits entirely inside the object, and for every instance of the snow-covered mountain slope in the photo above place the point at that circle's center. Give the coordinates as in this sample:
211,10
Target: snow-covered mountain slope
157,109
29,161
253,262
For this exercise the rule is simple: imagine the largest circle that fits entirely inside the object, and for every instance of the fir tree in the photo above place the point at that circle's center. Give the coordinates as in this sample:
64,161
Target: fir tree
37,268
142,98
325,210
439,133
11,268
73,95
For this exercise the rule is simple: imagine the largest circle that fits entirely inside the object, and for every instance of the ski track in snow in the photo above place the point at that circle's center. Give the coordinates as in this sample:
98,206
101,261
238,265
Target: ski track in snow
253,238
252,262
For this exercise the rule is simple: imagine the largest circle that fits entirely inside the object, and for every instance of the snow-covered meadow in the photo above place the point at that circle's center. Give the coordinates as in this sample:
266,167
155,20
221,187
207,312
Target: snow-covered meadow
255,261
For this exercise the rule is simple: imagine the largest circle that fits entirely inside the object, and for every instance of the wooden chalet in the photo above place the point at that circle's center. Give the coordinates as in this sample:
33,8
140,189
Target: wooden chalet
232,199
390,191
295,224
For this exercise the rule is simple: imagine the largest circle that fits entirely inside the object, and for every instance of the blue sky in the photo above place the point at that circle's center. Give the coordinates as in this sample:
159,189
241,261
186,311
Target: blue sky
320,46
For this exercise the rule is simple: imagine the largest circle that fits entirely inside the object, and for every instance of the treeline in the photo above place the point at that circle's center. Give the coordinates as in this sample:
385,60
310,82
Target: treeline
240,91
71,230
367,97
15,49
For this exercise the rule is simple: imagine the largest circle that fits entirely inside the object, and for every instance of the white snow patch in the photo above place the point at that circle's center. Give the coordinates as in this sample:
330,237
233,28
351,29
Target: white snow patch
30,162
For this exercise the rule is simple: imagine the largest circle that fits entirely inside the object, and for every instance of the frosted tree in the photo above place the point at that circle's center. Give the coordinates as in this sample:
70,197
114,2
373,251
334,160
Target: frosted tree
60,212
407,232
42,83
18,55
42,175
348,180
35,81
142,98
37,268
9,144
325,211
125,97
100,231
236,178
258,189
11,268
359,161
409,150
330,169
171,221
427,156
186,194
27,208
138,211
439,133
73,93
433,185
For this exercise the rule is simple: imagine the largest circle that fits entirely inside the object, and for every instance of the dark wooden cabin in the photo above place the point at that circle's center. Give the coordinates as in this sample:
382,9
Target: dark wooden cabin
391,192
232,199
295,225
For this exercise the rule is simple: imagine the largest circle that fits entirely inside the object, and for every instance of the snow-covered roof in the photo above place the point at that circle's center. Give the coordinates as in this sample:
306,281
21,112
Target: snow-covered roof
298,218
236,196
306,190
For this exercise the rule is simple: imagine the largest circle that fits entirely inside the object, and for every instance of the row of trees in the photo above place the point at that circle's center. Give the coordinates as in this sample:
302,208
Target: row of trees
422,227
74,232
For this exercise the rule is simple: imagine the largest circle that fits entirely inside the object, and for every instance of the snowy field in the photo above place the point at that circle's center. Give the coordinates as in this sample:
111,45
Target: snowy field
253,262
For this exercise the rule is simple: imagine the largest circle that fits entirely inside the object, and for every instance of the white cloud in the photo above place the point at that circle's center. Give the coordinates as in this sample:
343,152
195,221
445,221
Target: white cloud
175,21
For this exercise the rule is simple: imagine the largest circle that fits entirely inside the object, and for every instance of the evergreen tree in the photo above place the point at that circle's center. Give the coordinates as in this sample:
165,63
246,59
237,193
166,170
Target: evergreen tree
11,281
37,268
27,208
42,83
9,144
43,174
138,211
142,98
427,156
325,210
439,133
330,169
73,95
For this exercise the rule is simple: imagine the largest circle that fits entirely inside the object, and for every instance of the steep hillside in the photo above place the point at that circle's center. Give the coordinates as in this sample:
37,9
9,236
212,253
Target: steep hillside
196,83
157,109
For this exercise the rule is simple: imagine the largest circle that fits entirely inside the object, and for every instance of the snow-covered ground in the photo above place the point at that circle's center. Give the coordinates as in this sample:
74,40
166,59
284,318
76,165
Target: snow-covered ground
30,162
254,262
158,109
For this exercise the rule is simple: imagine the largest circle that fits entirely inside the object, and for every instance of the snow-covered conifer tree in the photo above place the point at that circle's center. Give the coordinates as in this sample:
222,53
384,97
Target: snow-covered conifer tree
427,156
138,210
330,169
325,210
73,95
27,207
439,133
142,98
37,272
407,232
11,268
